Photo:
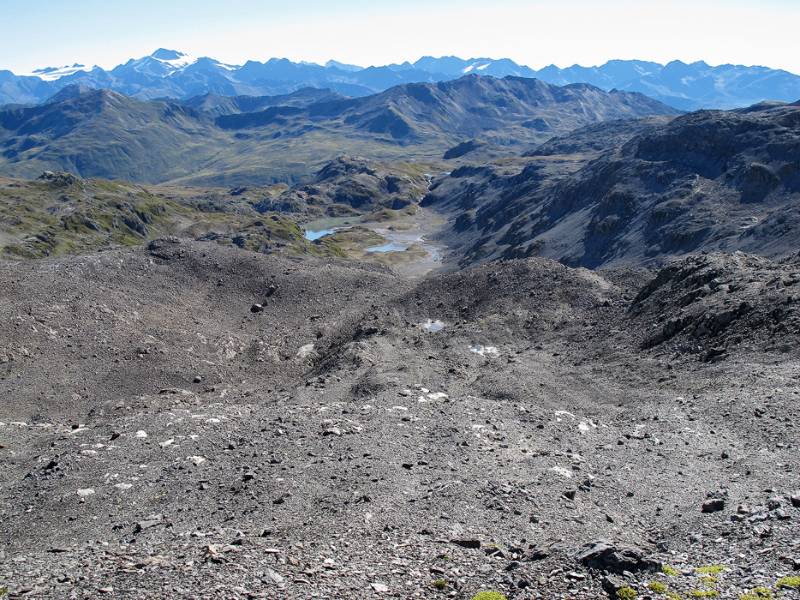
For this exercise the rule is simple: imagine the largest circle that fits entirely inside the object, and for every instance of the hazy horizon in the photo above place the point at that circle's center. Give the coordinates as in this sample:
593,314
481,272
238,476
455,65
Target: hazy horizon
535,33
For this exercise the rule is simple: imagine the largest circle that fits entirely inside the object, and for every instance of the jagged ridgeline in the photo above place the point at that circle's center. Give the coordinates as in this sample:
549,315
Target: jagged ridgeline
172,74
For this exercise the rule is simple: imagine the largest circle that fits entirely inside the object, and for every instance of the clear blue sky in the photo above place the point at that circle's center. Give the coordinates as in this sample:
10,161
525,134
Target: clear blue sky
37,33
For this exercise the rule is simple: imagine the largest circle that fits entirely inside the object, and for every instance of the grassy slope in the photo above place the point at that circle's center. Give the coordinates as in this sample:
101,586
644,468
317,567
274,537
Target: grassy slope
41,218
111,136
263,160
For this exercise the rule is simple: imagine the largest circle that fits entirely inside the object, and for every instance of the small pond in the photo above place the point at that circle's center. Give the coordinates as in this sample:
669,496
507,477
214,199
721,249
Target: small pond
311,234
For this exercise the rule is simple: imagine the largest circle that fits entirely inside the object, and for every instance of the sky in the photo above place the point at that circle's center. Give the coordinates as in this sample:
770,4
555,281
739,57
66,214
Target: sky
40,33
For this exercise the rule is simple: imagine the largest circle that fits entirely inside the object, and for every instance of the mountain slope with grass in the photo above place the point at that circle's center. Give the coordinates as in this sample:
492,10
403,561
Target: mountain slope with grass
238,141
59,214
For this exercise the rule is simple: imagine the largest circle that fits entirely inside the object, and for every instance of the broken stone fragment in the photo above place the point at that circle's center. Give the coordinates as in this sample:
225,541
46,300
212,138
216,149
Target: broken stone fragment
148,523
713,505
470,544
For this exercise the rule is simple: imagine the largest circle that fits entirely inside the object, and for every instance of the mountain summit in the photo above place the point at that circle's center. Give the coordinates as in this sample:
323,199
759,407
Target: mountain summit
164,54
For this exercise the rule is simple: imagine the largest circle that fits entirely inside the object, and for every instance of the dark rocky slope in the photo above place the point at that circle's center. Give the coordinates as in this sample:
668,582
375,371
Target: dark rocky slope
160,438
708,180
711,303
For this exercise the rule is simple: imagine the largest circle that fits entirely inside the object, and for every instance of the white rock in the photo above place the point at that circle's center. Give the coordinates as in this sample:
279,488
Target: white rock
167,443
85,492
484,350
432,326
123,486
563,471
275,576
196,460
141,434
432,397
306,350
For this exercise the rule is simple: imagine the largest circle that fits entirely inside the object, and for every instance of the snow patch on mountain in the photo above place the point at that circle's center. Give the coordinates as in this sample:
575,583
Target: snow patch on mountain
228,67
476,67
174,59
54,73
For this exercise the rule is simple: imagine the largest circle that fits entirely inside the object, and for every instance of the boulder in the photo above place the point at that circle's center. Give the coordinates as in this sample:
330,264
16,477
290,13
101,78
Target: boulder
606,556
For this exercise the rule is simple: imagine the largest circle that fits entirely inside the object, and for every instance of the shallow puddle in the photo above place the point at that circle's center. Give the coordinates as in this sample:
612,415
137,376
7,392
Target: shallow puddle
390,247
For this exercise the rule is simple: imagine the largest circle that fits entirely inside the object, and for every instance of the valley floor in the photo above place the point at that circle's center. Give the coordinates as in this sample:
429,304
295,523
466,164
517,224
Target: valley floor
408,244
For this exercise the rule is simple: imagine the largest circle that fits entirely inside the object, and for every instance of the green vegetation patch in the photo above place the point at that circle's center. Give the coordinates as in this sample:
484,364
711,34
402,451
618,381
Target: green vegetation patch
626,593
790,582
658,587
710,569
39,220
383,215
489,596
704,594
440,584
670,571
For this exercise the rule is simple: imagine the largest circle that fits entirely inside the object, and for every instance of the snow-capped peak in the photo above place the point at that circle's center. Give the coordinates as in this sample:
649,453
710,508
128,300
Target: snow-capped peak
166,54
53,73
173,58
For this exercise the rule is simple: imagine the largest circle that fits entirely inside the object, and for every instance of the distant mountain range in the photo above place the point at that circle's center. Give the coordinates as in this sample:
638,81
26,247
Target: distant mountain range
213,139
172,74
